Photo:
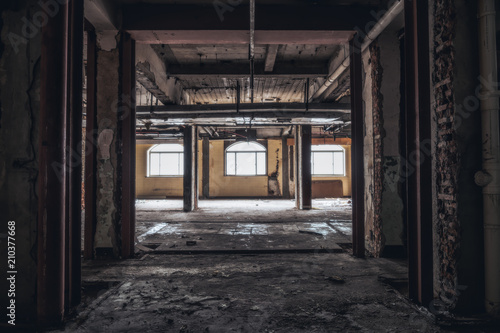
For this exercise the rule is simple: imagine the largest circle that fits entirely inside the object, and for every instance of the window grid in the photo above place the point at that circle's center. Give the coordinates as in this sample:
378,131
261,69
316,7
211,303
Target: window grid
235,159
339,153
180,167
246,159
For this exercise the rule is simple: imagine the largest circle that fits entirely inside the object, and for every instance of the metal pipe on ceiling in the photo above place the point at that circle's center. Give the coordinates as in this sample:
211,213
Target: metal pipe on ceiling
252,47
377,29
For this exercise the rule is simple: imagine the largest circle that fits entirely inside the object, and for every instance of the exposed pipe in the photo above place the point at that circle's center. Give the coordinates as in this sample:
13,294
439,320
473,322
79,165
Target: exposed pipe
252,47
384,21
489,177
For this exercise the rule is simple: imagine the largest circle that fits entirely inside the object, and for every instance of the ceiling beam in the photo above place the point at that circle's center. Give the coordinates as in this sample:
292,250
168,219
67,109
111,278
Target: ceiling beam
151,73
141,17
103,15
271,53
285,117
283,111
240,37
242,70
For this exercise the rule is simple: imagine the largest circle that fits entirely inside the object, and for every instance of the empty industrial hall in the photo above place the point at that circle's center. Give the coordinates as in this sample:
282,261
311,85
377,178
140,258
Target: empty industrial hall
267,166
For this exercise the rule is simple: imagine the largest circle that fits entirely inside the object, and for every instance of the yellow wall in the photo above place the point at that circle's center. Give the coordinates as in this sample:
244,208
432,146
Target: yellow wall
346,180
221,185
153,187
241,186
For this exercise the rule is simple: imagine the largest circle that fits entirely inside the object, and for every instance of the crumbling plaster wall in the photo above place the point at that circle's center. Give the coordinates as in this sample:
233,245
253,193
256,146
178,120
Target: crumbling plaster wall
391,206
368,151
458,269
381,95
106,241
155,69
19,126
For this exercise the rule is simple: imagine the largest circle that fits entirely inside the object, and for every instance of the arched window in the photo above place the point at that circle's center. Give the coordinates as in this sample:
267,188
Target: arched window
246,159
327,160
166,160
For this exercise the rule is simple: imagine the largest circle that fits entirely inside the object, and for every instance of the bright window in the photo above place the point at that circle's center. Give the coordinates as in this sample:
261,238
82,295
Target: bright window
246,159
166,160
327,160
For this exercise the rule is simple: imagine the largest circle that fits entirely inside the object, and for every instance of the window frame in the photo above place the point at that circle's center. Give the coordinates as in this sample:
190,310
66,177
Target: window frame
341,150
150,152
245,151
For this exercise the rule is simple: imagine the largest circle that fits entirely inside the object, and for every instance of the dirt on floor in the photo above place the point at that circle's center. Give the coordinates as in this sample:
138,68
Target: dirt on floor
324,292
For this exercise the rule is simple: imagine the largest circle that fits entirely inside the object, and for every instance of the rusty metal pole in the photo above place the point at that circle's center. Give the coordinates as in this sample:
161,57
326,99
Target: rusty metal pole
90,146
52,170
74,155
357,156
127,122
418,131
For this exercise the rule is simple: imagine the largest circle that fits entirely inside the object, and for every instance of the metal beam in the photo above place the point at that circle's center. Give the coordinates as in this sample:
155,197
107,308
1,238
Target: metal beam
90,176
418,131
285,168
74,114
175,17
52,170
127,123
247,107
271,53
237,70
206,168
221,37
357,156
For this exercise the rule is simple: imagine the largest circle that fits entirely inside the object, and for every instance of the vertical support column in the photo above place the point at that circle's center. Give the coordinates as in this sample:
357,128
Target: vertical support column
206,168
418,131
304,179
74,117
285,168
296,166
127,120
90,148
190,168
52,172
357,162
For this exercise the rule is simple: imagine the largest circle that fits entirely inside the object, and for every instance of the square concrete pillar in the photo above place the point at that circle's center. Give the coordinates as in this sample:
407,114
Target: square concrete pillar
110,202
190,168
303,180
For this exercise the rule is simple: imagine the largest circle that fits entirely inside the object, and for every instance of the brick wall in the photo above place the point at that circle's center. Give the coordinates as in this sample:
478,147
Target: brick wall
375,242
447,157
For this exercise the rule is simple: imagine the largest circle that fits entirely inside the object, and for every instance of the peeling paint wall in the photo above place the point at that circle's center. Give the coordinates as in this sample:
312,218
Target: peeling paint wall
381,94
108,190
19,121
391,206
368,152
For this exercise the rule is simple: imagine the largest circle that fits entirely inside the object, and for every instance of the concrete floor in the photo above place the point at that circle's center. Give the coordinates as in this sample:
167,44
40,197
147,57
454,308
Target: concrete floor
243,225
215,290
322,292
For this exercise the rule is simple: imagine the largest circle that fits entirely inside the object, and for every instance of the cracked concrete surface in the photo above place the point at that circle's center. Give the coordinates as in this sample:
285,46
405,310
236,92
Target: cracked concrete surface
249,293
